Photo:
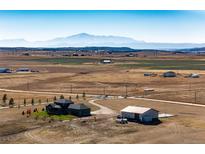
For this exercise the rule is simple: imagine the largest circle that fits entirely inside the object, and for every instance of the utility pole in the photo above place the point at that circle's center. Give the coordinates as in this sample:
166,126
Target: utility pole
126,90
71,89
195,96
104,91
27,86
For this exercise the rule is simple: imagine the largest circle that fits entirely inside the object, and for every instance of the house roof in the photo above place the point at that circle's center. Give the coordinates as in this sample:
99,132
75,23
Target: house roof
55,106
63,101
4,69
136,109
24,69
78,106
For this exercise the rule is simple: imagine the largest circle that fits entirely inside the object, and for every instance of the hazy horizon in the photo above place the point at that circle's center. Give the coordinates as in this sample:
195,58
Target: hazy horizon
148,26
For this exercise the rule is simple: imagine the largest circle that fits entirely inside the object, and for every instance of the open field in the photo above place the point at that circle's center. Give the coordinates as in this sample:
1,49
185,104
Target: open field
72,76
186,127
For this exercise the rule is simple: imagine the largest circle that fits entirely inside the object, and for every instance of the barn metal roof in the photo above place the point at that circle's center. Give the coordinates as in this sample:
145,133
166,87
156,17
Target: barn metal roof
136,109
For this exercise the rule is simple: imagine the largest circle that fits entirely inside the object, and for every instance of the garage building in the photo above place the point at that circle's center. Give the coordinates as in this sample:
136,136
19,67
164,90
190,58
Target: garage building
80,110
140,114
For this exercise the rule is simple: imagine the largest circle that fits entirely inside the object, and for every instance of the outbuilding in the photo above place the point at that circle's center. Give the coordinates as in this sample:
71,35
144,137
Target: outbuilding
140,114
169,74
80,110
105,61
23,70
5,70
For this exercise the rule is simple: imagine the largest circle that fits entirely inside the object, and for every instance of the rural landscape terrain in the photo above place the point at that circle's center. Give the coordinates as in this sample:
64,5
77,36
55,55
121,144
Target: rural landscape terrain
106,81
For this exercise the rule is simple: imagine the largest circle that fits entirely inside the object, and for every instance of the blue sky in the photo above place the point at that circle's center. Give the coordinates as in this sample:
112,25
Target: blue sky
150,26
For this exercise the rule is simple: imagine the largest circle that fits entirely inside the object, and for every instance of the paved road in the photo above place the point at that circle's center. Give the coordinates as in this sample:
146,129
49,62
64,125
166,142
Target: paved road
103,109
171,102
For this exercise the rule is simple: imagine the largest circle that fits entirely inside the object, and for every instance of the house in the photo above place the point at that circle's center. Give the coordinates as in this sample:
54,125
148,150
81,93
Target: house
55,109
80,110
63,106
64,103
105,61
140,114
150,74
5,70
23,70
169,74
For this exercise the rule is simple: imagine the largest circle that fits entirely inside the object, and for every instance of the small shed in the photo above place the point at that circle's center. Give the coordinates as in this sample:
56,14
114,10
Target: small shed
194,75
80,110
64,103
105,61
5,70
140,114
169,74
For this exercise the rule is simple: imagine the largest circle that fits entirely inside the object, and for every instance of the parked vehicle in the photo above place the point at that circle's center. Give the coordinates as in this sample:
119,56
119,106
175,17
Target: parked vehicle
121,120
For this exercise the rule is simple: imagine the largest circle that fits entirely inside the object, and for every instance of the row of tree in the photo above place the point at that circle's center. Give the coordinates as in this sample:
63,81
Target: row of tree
11,101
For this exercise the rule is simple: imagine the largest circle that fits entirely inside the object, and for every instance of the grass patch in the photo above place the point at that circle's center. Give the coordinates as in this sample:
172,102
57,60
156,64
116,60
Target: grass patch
44,115
166,64
70,61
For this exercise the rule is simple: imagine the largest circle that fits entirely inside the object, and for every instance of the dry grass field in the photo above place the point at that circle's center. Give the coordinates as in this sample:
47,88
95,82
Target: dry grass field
71,76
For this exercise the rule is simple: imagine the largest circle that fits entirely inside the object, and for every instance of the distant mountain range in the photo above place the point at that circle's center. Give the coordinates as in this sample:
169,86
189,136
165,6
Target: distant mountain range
87,40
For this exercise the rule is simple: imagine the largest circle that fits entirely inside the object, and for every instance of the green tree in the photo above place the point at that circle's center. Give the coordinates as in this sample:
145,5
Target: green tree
11,102
32,102
61,97
24,102
4,99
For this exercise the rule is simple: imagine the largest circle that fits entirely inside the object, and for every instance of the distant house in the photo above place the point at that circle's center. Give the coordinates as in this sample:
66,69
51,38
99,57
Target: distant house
169,74
5,70
23,70
105,61
150,74
193,75
80,110
140,114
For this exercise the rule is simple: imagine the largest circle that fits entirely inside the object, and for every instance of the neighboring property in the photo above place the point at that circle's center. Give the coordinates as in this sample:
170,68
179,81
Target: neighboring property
23,70
169,74
150,74
5,70
193,75
140,114
80,110
105,61
63,106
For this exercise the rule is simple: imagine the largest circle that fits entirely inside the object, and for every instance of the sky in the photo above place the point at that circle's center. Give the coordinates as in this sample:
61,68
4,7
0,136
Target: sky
150,26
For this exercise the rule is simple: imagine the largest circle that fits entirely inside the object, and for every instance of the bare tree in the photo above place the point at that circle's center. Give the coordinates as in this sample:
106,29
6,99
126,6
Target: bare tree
11,102
4,99
32,102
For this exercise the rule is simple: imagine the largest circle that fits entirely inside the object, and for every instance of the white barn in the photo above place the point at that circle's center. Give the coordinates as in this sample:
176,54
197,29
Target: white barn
141,114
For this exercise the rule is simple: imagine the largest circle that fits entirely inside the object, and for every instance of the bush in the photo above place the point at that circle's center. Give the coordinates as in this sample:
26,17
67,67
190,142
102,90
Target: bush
61,97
